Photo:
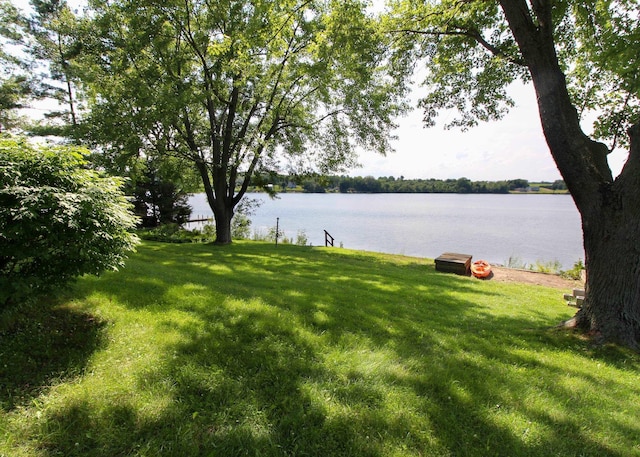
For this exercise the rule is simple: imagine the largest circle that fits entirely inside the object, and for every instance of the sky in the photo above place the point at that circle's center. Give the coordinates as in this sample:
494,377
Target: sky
511,148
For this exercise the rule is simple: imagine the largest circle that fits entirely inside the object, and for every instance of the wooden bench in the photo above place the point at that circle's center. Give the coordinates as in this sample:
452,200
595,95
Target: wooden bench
451,262
576,298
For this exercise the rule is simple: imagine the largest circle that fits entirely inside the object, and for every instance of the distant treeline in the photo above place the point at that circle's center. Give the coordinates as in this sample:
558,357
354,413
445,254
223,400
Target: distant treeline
369,184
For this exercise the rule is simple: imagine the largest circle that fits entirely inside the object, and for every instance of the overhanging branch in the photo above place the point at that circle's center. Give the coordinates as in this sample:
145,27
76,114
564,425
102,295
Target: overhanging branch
473,34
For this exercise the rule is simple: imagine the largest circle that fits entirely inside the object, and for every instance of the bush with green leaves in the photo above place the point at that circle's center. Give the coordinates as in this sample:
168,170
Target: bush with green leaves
175,233
575,272
59,219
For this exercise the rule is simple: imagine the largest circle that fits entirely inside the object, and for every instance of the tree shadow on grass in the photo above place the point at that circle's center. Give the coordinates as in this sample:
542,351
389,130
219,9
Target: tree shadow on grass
484,398
279,363
41,345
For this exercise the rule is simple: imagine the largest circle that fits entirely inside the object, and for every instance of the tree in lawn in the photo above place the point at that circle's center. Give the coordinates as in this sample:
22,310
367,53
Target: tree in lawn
58,219
239,88
159,191
52,28
16,85
28,45
580,56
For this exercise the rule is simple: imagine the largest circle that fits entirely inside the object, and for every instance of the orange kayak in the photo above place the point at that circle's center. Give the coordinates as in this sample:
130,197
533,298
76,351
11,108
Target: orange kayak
480,269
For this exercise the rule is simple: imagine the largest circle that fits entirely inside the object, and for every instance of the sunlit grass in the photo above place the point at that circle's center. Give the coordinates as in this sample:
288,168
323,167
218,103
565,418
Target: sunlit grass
252,349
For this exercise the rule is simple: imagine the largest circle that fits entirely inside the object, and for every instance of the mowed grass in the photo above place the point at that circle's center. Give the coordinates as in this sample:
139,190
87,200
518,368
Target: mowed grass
252,349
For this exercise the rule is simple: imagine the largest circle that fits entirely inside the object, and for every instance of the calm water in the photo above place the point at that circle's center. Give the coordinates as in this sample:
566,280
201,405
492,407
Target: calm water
493,227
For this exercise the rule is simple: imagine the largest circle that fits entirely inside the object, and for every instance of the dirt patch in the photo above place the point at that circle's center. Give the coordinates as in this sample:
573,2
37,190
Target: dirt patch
533,277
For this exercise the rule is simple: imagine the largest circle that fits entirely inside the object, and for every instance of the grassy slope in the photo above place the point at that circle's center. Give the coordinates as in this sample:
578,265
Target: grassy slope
250,349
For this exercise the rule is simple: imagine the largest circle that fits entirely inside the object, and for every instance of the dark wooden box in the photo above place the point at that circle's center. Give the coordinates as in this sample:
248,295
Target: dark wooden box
450,262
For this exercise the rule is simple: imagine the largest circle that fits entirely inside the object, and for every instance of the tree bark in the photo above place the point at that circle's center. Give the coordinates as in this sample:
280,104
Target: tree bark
221,205
611,310
223,215
609,208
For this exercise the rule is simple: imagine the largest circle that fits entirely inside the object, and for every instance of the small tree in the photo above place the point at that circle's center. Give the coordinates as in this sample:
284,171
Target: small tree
52,44
58,219
16,86
159,199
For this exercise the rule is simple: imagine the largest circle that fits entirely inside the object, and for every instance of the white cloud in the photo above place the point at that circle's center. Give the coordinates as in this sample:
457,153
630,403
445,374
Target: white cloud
511,148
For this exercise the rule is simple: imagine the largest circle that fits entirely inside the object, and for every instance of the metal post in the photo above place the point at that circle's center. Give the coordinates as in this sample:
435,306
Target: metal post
277,229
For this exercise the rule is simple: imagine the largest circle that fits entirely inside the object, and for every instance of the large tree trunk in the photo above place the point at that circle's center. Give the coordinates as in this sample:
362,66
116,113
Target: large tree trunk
223,214
221,205
611,311
609,208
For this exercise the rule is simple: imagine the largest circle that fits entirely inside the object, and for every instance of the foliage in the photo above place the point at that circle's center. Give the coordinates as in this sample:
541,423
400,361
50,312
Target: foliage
310,351
472,57
159,201
316,183
558,184
241,222
575,272
237,88
313,187
241,227
16,85
390,184
462,76
175,233
54,45
58,219
301,238
604,77
549,266
515,262
159,184
36,58
540,266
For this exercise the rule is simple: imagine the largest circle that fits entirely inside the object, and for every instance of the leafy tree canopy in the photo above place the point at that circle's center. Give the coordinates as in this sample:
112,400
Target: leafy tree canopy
54,45
239,87
15,83
471,57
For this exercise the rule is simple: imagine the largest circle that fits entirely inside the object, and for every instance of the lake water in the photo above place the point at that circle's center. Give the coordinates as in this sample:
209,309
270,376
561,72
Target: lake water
528,228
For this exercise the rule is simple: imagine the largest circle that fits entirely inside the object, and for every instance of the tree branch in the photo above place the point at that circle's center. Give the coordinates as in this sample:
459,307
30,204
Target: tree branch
473,34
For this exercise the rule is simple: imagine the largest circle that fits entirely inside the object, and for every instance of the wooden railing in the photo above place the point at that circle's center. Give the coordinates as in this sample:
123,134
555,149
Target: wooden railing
328,239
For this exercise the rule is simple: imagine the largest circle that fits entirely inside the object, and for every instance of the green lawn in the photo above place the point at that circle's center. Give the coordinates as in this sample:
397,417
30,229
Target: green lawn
257,350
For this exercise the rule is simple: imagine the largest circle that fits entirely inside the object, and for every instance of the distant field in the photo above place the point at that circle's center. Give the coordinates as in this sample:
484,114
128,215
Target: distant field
544,188
252,349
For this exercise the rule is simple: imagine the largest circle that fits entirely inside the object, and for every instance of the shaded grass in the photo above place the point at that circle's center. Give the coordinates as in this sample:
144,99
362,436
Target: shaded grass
40,346
250,349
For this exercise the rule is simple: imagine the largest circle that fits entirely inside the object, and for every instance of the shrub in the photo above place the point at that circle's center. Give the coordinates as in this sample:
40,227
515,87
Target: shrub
241,227
174,233
551,267
302,239
575,272
58,218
